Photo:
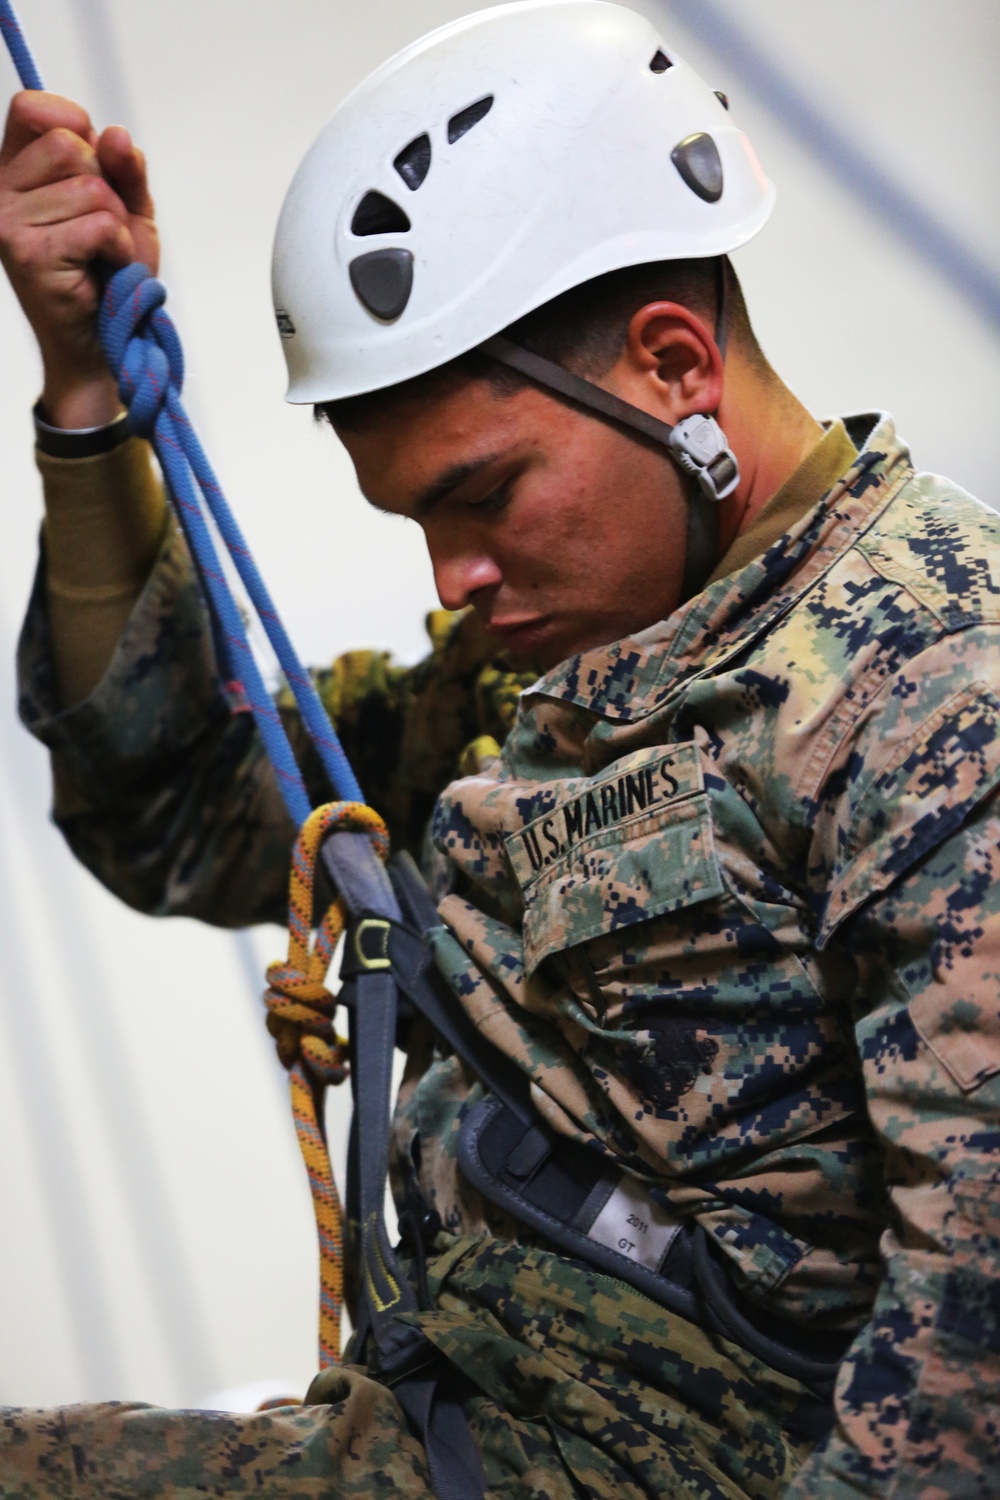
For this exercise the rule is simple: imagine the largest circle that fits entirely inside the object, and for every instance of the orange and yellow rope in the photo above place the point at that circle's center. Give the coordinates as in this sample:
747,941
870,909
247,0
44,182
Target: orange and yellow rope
300,1018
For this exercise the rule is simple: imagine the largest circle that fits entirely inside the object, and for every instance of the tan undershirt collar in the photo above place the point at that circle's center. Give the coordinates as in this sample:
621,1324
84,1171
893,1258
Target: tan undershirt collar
816,474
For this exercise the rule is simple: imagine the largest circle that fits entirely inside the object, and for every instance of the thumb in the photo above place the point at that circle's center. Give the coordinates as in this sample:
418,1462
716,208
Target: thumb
124,165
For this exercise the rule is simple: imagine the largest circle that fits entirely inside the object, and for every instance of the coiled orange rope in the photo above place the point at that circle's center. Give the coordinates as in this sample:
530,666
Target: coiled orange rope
300,1018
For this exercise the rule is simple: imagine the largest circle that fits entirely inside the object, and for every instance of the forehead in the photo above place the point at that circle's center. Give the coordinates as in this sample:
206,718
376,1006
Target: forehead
414,446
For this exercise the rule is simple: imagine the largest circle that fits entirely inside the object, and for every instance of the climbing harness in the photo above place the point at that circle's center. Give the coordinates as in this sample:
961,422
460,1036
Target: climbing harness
383,910
568,1193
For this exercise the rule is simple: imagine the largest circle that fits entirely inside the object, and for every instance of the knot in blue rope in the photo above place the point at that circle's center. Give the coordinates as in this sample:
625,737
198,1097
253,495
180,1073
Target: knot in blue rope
140,344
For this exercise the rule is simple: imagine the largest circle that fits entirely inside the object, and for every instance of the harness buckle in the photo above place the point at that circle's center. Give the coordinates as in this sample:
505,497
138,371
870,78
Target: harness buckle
376,955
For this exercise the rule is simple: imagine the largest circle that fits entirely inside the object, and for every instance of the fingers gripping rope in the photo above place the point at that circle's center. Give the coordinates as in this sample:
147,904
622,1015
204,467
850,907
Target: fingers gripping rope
300,1018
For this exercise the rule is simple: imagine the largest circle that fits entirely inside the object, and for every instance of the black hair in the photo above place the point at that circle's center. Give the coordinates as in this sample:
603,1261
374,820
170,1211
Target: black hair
584,329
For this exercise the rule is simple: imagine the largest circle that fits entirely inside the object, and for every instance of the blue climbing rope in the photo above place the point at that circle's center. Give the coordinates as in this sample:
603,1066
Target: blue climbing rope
18,48
144,353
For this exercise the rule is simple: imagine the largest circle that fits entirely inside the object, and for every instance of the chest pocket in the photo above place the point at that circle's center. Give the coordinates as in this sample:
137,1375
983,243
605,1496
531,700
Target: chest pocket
618,848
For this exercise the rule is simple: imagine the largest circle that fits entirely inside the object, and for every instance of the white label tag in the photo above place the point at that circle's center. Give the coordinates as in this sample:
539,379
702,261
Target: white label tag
631,1223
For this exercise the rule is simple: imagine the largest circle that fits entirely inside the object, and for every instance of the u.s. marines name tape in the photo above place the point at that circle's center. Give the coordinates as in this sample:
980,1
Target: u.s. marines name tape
617,848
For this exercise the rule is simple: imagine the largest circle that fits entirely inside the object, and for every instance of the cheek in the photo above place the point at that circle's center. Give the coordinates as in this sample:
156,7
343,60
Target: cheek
565,511
547,543
608,506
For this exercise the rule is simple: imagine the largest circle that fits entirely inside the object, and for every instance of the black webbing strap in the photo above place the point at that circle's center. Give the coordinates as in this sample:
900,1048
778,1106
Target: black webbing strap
424,985
574,388
434,1409
722,305
702,550
402,1358
554,1185
403,947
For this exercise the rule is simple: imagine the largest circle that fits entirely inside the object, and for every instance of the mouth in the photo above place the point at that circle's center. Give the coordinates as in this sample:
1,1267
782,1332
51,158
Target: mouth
524,635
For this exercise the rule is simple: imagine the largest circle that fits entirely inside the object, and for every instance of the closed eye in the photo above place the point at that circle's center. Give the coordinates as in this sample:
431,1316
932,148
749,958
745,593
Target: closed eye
495,501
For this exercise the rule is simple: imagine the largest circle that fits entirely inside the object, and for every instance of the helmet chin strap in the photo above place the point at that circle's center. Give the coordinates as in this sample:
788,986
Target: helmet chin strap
697,445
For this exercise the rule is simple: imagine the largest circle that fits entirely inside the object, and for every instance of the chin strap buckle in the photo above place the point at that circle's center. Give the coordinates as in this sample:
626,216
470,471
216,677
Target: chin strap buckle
698,446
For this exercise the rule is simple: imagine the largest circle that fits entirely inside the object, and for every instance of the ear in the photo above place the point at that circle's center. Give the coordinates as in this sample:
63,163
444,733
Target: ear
673,358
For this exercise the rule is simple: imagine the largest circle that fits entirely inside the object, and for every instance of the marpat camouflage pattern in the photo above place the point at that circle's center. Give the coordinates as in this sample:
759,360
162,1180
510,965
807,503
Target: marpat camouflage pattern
578,1387
727,896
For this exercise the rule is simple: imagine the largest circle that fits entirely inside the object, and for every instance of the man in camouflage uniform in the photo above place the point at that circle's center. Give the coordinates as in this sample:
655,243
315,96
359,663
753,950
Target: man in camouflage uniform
722,889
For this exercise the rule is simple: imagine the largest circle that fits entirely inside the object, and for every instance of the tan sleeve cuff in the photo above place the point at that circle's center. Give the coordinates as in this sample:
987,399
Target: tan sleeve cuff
105,519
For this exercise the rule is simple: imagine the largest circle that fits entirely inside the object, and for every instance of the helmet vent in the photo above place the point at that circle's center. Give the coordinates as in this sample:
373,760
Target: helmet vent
659,62
463,122
414,162
377,214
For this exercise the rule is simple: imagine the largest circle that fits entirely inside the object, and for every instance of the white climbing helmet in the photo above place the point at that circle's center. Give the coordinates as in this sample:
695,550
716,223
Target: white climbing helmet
493,164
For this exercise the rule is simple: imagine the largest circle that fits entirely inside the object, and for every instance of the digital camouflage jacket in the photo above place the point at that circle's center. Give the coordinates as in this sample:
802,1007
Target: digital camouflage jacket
726,895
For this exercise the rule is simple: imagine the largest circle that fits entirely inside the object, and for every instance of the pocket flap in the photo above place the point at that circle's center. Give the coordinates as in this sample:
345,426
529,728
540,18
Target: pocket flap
618,848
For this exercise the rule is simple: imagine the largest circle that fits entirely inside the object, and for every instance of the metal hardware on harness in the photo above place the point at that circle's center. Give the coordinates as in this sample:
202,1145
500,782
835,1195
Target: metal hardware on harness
380,960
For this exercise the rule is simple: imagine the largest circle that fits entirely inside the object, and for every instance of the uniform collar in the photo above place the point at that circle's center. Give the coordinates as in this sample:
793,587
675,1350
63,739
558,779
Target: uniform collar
818,472
634,676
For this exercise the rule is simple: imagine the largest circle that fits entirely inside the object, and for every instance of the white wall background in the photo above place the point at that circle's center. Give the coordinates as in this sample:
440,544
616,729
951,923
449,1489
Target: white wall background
155,1229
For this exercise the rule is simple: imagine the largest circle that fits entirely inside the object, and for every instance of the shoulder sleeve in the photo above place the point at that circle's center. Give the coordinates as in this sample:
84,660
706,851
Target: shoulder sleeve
905,871
918,1394
162,787
925,754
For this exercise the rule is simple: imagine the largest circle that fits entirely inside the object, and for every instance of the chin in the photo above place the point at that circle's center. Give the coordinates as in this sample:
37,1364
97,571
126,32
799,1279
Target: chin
543,646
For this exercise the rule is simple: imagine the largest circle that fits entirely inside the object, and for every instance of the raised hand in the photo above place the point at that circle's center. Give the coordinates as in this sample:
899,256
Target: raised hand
70,199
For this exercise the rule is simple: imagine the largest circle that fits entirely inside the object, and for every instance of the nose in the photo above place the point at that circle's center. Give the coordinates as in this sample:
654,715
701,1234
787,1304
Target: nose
460,574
